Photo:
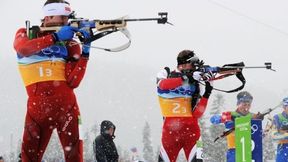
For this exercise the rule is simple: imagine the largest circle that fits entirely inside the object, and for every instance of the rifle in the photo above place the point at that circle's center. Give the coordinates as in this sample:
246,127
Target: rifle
105,27
229,70
257,116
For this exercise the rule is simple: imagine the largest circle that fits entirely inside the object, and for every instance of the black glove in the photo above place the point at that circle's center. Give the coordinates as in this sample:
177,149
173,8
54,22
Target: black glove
188,76
284,128
174,74
208,90
258,116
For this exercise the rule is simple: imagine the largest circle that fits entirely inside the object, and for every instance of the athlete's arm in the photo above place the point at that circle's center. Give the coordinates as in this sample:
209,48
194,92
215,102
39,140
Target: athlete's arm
26,47
165,83
75,66
200,108
276,133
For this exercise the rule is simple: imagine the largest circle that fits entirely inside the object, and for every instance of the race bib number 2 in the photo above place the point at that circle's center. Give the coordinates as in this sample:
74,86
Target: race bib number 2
175,107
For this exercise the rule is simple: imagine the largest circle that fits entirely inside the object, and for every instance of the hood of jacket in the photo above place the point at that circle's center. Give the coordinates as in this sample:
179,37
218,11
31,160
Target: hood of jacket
106,125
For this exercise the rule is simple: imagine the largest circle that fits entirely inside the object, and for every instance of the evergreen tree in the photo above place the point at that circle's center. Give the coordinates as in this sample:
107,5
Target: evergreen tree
94,131
269,149
205,137
88,148
148,153
157,153
215,151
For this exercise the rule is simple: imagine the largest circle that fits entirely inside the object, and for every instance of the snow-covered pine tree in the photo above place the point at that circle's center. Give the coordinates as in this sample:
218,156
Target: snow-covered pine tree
148,153
269,149
205,137
88,147
157,153
215,151
94,131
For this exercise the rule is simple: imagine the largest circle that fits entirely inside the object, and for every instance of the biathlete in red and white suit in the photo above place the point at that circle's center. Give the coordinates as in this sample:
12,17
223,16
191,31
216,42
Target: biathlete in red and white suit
181,105
51,66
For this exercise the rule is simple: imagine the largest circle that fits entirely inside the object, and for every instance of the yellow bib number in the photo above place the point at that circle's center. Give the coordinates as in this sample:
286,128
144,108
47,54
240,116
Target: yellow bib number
175,107
42,71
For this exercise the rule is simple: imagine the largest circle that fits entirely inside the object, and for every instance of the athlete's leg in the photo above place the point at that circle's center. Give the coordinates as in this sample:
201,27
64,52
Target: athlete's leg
35,140
190,135
231,155
160,159
170,143
68,132
282,152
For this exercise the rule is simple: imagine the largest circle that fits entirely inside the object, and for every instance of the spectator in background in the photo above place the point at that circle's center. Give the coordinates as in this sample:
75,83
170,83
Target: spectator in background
104,146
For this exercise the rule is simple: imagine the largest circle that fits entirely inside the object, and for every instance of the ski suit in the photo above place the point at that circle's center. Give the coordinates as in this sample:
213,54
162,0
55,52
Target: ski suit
181,106
50,71
280,133
228,119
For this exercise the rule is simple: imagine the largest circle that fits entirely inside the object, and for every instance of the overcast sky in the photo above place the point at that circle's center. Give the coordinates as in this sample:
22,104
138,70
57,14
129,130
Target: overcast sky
121,86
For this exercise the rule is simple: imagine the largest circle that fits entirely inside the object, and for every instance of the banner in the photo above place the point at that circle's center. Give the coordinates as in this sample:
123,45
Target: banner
243,139
256,131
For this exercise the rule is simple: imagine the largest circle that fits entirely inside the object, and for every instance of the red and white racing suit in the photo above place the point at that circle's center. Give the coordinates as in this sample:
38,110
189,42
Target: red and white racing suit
50,71
180,127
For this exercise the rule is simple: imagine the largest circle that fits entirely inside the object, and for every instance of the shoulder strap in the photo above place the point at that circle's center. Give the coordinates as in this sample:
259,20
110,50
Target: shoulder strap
195,96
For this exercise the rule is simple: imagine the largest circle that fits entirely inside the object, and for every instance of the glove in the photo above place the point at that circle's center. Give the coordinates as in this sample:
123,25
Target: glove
189,77
215,119
226,116
65,33
229,124
208,89
86,46
200,76
284,127
207,76
258,116
197,75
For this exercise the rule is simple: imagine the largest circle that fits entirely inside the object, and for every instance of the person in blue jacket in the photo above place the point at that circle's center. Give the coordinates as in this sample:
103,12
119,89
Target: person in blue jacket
280,132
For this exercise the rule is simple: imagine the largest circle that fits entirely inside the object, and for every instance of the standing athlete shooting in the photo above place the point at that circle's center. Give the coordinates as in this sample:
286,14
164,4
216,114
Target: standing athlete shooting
51,65
182,106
